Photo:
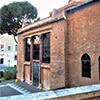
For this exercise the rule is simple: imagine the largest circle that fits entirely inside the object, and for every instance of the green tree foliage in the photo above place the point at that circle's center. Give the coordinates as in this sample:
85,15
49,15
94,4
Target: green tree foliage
13,14
10,73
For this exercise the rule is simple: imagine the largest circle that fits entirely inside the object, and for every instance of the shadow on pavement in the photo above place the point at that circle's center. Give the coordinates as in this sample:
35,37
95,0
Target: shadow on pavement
8,91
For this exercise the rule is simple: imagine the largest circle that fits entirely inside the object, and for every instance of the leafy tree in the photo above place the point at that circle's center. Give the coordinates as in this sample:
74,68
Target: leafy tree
10,73
14,14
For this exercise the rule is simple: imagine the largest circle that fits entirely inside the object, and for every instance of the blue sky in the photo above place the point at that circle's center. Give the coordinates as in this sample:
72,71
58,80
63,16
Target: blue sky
43,6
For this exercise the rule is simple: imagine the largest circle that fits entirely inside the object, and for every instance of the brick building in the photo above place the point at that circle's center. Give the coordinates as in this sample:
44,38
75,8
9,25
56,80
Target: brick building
62,50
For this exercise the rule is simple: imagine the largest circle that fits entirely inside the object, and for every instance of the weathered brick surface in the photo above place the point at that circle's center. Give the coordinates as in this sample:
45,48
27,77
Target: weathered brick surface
58,55
70,38
83,37
56,72
45,78
27,73
20,58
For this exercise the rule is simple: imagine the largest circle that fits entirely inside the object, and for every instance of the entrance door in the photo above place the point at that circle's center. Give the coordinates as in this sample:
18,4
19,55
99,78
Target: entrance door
36,64
36,73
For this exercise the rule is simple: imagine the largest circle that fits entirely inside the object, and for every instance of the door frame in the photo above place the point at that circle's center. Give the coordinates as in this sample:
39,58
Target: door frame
39,77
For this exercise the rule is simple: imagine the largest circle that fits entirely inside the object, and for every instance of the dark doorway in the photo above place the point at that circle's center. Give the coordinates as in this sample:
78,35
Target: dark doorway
36,60
36,73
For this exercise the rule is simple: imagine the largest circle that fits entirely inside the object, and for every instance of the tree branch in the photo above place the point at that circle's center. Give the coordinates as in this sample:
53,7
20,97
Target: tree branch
15,38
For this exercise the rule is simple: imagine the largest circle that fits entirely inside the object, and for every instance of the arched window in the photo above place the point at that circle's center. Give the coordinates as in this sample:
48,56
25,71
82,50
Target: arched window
99,67
86,65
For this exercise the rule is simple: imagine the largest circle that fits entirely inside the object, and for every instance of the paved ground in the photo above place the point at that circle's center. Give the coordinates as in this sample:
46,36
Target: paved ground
8,88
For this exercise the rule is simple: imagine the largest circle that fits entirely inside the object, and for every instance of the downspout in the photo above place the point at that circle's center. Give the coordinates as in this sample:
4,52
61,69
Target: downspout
66,50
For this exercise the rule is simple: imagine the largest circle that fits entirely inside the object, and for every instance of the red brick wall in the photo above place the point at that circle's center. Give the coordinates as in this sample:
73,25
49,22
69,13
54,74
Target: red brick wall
56,73
58,55
83,37
27,73
69,40
45,78
20,59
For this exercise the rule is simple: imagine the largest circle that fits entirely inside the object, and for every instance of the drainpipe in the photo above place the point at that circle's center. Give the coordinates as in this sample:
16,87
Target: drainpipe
64,13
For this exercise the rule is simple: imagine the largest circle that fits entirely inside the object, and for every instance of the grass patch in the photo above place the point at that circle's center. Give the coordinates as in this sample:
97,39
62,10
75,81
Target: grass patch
2,79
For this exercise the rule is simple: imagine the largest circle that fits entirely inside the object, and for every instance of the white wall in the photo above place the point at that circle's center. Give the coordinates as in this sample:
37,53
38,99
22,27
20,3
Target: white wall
9,59
8,56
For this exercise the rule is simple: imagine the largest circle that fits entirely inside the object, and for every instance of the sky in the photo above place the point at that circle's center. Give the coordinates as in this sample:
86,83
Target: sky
43,6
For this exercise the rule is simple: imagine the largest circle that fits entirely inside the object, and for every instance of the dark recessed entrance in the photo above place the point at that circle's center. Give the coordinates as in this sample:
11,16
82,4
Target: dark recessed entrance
36,61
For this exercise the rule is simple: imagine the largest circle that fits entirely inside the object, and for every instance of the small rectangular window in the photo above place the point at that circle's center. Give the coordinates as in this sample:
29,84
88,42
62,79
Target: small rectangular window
16,47
15,57
9,48
1,60
1,47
